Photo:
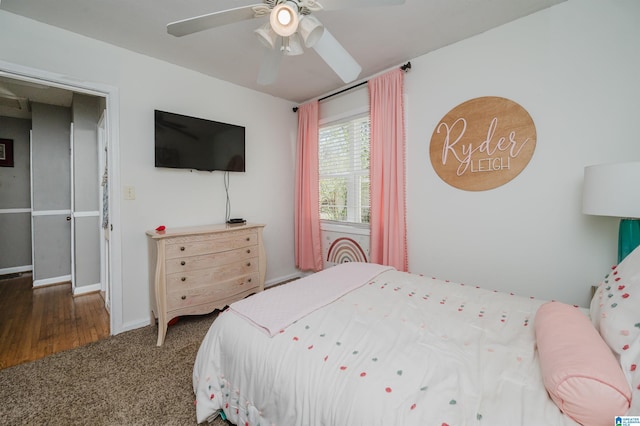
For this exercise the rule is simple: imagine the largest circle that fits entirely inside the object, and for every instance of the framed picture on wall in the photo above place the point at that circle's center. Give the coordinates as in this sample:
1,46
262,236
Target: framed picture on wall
6,153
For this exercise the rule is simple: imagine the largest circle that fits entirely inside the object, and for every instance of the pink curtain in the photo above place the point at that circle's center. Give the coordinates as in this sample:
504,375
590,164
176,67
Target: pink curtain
308,245
387,171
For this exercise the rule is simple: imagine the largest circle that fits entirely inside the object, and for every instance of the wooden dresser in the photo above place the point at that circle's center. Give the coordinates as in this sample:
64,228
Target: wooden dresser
195,270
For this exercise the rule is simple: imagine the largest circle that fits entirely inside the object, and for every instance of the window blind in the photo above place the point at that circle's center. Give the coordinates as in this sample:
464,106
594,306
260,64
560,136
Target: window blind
344,170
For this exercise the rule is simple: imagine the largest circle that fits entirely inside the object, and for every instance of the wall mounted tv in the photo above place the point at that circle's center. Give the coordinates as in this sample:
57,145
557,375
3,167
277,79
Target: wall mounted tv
184,142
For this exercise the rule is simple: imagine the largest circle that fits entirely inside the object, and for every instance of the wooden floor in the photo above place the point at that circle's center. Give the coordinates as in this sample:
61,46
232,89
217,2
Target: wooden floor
38,322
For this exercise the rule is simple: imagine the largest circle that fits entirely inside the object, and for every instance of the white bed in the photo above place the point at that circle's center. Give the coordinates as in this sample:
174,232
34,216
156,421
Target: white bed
394,349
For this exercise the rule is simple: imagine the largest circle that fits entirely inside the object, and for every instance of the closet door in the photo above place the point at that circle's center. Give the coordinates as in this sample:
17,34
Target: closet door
51,194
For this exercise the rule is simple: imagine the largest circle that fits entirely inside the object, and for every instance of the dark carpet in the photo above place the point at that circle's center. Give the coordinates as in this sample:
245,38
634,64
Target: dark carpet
122,380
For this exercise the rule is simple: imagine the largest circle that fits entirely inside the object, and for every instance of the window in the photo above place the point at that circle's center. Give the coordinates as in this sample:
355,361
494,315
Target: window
343,149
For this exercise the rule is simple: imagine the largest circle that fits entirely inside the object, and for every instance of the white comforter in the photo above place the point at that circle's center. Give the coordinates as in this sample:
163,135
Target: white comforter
399,350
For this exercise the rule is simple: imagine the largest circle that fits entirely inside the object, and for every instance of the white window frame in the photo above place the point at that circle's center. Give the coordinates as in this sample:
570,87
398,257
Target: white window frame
354,200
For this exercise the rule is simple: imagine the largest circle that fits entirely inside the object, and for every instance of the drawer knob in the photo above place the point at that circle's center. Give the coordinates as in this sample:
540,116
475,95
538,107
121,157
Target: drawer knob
183,279
183,297
182,248
248,238
248,250
183,263
248,263
249,280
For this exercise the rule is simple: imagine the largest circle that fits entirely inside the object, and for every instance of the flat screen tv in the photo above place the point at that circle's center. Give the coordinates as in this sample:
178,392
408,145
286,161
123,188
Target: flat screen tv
184,142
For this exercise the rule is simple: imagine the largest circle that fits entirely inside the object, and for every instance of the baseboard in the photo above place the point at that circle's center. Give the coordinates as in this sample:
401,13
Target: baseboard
280,280
50,281
92,288
134,325
16,269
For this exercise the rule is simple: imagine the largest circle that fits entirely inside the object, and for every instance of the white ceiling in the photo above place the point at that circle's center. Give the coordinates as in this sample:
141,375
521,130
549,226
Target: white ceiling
378,38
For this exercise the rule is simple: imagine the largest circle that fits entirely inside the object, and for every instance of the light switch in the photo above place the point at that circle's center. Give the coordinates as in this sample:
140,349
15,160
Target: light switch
129,192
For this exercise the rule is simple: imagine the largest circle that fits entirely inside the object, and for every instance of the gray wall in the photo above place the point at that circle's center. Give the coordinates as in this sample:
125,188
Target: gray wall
51,171
50,157
85,114
15,228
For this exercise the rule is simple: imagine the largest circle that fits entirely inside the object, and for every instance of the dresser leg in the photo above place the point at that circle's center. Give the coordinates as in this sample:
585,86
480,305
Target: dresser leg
162,332
162,327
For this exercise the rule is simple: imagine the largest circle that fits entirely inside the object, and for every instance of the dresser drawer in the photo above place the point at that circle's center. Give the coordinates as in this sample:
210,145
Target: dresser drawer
206,261
188,295
212,243
211,276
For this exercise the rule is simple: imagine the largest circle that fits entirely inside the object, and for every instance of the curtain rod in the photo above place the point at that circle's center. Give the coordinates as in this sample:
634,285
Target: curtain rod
406,67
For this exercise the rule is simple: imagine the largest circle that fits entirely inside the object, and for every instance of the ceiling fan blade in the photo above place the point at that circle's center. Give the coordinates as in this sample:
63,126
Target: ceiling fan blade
337,57
269,67
211,20
344,4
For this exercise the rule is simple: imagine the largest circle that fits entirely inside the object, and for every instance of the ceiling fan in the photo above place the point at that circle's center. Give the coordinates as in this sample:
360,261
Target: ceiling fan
290,25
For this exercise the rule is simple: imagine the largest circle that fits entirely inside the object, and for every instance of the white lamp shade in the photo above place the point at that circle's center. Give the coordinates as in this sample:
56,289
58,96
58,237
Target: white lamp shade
284,18
266,35
612,190
311,30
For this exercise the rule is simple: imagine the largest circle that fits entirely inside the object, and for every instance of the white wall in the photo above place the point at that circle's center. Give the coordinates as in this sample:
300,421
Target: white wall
574,68
264,194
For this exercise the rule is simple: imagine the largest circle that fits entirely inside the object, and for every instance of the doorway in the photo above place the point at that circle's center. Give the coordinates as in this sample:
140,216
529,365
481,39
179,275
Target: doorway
108,248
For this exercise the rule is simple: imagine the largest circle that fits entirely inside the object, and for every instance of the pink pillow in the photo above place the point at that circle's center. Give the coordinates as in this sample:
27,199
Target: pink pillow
579,370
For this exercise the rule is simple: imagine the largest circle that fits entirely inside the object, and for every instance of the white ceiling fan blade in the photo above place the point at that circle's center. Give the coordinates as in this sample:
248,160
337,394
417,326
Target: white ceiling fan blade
211,20
337,57
269,67
344,4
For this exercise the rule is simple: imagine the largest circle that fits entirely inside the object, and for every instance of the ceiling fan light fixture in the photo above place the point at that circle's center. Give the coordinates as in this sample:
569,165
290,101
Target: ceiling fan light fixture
310,29
284,18
266,35
291,46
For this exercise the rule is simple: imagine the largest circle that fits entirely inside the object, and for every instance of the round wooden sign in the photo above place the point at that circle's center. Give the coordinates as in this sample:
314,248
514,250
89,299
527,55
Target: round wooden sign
482,143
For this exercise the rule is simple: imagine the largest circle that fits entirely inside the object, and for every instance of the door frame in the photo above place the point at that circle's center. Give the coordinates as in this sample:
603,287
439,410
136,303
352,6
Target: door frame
73,209
111,96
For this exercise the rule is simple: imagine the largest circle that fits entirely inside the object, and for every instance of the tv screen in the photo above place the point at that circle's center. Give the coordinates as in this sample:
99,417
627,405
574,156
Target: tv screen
194,143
